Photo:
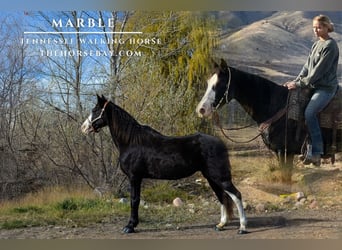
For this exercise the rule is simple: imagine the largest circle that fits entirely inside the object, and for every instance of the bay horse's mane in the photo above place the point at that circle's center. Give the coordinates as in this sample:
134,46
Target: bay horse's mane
258,92
127,129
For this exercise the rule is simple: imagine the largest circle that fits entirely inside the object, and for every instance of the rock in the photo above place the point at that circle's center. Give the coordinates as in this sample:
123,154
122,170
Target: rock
298,204
299,196
245,205
199,181
191,210
144,204
313,205
311,198
177,202
260,208
123,200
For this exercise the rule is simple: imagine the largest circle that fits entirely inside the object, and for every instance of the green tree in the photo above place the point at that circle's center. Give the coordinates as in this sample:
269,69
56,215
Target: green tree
162,87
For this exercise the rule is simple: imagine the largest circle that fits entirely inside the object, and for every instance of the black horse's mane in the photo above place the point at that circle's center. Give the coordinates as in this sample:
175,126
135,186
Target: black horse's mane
128,130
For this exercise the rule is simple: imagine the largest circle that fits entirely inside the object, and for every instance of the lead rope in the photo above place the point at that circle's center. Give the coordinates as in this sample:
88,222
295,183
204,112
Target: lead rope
286,126
216,119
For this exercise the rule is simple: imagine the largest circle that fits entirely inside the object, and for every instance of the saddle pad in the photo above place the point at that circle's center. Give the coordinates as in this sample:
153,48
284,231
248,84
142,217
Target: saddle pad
298,99
331,116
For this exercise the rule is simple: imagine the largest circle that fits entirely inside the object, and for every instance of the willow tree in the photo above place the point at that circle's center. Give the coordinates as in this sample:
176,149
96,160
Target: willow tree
162,85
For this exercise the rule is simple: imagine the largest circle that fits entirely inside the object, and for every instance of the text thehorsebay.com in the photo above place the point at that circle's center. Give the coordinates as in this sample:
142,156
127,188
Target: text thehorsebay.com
50,44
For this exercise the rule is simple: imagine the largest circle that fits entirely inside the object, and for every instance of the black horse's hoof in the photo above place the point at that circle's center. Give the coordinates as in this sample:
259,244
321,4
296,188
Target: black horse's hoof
242,232
128,230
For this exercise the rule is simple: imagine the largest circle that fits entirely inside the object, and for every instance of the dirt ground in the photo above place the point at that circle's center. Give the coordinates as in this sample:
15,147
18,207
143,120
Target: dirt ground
315,224
318,216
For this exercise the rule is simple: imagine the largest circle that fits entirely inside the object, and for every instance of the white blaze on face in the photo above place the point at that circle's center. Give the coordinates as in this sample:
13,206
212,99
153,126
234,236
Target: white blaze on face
86,127
205,107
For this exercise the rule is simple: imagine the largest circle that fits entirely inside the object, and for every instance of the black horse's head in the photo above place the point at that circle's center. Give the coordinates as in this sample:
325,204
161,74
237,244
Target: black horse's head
217,90
97,119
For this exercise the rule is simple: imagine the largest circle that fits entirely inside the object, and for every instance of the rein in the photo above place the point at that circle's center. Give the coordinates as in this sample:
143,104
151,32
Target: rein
216,119
262,127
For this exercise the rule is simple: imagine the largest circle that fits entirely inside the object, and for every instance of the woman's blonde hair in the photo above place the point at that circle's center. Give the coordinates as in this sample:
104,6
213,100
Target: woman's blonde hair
325,21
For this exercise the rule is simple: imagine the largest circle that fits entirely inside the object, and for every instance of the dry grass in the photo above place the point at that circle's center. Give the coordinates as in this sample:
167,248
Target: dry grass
49,195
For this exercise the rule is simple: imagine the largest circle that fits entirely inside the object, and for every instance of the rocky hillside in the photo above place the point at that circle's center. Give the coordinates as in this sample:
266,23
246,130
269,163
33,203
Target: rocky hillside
273,44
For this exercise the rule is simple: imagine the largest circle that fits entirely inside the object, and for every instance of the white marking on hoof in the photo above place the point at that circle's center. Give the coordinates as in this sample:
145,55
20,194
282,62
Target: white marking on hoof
219,227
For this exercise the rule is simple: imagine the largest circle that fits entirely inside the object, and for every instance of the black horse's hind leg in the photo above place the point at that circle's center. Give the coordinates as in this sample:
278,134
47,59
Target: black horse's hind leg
221,196
225,192
232,191
135,201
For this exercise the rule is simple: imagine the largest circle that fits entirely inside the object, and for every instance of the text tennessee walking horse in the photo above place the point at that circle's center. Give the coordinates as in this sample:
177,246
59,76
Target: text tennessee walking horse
145,153
265,102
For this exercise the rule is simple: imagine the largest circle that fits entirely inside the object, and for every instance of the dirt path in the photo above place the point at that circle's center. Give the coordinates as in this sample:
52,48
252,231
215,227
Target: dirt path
304,224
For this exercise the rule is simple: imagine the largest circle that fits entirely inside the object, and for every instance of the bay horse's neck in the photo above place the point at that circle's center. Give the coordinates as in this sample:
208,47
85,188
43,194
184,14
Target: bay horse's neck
260,97
125,130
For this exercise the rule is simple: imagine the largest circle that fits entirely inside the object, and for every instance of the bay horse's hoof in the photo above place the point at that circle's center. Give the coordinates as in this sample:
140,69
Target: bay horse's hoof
242,232
128,230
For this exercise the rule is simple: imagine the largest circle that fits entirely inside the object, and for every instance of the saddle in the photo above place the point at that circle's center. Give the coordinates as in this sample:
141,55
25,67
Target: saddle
329,117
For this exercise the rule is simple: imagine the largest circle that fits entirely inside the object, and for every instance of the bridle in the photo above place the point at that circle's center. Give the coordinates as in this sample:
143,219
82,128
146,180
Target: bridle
262,127
99,117
225,95
216,117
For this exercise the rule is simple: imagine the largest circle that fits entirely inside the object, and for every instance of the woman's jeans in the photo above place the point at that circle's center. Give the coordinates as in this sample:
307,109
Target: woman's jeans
318,102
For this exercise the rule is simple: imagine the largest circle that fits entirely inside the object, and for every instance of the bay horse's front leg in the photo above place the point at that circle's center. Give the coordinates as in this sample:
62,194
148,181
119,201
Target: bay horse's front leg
286,166
135,201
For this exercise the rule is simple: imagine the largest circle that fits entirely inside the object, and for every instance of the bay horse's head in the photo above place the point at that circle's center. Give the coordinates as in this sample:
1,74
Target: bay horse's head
97,118
216,94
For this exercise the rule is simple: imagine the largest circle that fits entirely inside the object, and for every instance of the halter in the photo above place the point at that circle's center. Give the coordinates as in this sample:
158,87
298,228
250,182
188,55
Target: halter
100,116
225,95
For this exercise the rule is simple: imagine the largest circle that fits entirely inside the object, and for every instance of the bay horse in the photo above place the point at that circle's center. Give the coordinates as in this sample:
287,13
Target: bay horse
266,102
146,153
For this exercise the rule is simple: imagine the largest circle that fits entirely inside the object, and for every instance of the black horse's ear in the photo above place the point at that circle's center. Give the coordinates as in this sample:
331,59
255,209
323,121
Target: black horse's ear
101,99
214,63
223,65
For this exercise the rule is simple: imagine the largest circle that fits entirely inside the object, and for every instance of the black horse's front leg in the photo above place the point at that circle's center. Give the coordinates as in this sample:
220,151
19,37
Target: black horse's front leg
135,201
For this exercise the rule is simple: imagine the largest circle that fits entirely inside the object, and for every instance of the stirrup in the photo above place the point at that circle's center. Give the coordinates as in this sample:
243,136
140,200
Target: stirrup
315,160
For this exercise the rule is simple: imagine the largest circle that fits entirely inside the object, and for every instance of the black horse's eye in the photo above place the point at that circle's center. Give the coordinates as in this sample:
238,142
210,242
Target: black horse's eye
213,87
95,108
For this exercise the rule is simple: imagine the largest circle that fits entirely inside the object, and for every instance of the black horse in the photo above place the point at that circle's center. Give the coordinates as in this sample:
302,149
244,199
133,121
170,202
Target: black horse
146,153
266,102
